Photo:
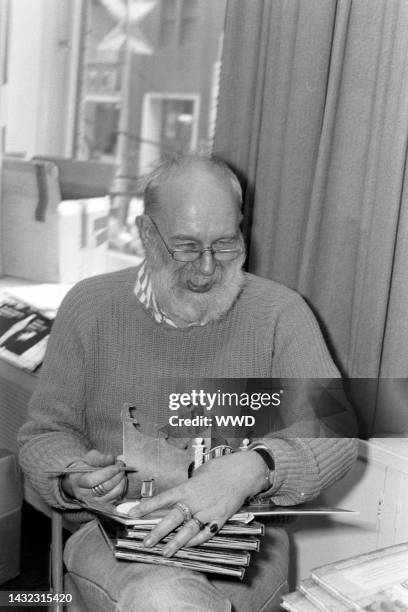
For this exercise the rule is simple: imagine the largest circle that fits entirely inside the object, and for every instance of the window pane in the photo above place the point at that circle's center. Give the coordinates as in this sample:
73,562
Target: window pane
167,32
158,98
168,9
187,31
189,9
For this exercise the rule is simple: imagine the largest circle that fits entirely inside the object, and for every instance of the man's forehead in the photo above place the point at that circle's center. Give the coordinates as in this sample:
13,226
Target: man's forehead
197,189
196,175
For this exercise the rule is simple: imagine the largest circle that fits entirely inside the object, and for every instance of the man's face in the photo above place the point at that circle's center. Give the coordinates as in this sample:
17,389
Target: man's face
198,209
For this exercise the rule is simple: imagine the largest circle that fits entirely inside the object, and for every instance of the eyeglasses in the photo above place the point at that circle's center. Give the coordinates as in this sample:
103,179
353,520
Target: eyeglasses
195,253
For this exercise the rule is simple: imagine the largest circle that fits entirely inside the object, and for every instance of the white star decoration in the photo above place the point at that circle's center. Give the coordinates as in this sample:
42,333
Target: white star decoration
116,38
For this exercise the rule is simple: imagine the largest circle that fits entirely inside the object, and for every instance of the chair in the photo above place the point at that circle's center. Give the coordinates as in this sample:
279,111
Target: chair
61,583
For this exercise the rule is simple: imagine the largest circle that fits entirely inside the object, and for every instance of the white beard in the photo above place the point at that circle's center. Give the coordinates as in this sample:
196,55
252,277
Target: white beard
169,284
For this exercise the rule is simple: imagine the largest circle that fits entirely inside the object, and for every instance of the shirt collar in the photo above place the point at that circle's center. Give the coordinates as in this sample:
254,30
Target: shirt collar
144,292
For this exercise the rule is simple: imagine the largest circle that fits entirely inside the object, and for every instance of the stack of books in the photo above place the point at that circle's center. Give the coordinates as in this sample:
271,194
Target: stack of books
227,553
373,582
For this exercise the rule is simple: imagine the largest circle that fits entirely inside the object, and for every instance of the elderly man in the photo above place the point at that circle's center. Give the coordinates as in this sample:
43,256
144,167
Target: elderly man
188,312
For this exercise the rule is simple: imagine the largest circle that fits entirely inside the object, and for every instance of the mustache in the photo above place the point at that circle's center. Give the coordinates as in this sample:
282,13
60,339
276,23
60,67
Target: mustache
192,274
171,288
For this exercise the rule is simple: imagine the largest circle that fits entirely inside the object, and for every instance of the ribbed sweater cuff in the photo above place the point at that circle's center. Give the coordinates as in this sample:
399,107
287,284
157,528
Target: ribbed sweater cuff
58,452
304,467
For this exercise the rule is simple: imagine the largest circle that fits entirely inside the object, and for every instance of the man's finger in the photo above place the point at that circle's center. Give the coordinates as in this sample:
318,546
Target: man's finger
200,537
182,537
206,534
172,520
114,494
96,458
89,480
111,483
163,500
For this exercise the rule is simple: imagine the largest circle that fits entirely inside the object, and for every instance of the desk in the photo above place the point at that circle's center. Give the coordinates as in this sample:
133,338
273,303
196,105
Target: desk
16,387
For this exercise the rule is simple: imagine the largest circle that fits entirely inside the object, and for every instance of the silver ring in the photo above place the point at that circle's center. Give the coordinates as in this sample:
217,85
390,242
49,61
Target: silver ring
99,490
185,511
199,523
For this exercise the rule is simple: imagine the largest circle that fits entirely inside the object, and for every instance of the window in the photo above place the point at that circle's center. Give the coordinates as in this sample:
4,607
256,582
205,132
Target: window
96,83
4,39
188,22
159,98
101,129
178,23
169,124
168,22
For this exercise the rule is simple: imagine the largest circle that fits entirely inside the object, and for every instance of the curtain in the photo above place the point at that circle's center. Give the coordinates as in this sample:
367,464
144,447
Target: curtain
313,112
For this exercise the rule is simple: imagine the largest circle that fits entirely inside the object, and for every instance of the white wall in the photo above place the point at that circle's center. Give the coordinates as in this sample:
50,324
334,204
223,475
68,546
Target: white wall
42,75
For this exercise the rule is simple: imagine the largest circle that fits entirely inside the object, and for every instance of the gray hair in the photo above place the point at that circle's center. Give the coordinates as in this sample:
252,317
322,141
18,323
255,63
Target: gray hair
170,165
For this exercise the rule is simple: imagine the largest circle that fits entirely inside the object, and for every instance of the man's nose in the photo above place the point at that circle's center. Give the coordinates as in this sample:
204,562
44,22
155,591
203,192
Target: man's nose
207,263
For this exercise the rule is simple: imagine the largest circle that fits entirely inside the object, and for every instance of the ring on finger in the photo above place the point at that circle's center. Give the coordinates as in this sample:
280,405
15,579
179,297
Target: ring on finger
199,523
185,511
99,490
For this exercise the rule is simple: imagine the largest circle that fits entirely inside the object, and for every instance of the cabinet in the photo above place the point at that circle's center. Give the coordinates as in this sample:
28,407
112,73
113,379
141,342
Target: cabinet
377,487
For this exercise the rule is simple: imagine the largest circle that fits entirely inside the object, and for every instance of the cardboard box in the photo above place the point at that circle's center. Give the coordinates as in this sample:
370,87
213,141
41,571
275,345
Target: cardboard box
11,499
45,238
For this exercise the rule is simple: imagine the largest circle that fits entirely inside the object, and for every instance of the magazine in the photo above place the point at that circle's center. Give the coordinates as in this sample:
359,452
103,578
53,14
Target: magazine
373,582
323,600
193,553
240,523
249,543
297,602
24,333
199,566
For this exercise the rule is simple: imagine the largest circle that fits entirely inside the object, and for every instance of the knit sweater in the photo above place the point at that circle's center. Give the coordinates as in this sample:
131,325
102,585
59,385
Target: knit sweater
105,349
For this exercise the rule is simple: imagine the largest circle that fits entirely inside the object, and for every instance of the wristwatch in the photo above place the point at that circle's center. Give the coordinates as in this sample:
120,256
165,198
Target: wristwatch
264,452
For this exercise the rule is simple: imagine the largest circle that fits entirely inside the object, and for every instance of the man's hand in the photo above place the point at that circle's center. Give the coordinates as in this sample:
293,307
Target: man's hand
214,493
110,475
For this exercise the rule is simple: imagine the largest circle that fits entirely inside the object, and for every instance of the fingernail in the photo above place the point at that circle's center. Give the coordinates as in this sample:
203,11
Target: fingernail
148,542
167,552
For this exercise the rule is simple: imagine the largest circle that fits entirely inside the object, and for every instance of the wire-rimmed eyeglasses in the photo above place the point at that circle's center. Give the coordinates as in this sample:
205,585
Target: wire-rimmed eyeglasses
194,254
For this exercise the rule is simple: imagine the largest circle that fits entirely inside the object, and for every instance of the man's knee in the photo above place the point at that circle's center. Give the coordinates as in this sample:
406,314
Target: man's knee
137,587
172,590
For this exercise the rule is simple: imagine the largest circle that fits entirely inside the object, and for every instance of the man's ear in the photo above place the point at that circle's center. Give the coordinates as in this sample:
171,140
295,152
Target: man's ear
144,226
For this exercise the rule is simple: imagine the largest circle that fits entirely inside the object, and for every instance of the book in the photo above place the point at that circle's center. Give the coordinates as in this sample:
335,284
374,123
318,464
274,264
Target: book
199,566
120,513
43,297
222,542
297,602
24,333
370,582
322,599
11,312
221,554
193,553
241,523
307,509
226,553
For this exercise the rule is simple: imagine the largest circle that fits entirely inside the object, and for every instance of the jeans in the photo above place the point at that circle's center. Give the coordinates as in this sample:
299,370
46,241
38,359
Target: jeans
107,584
